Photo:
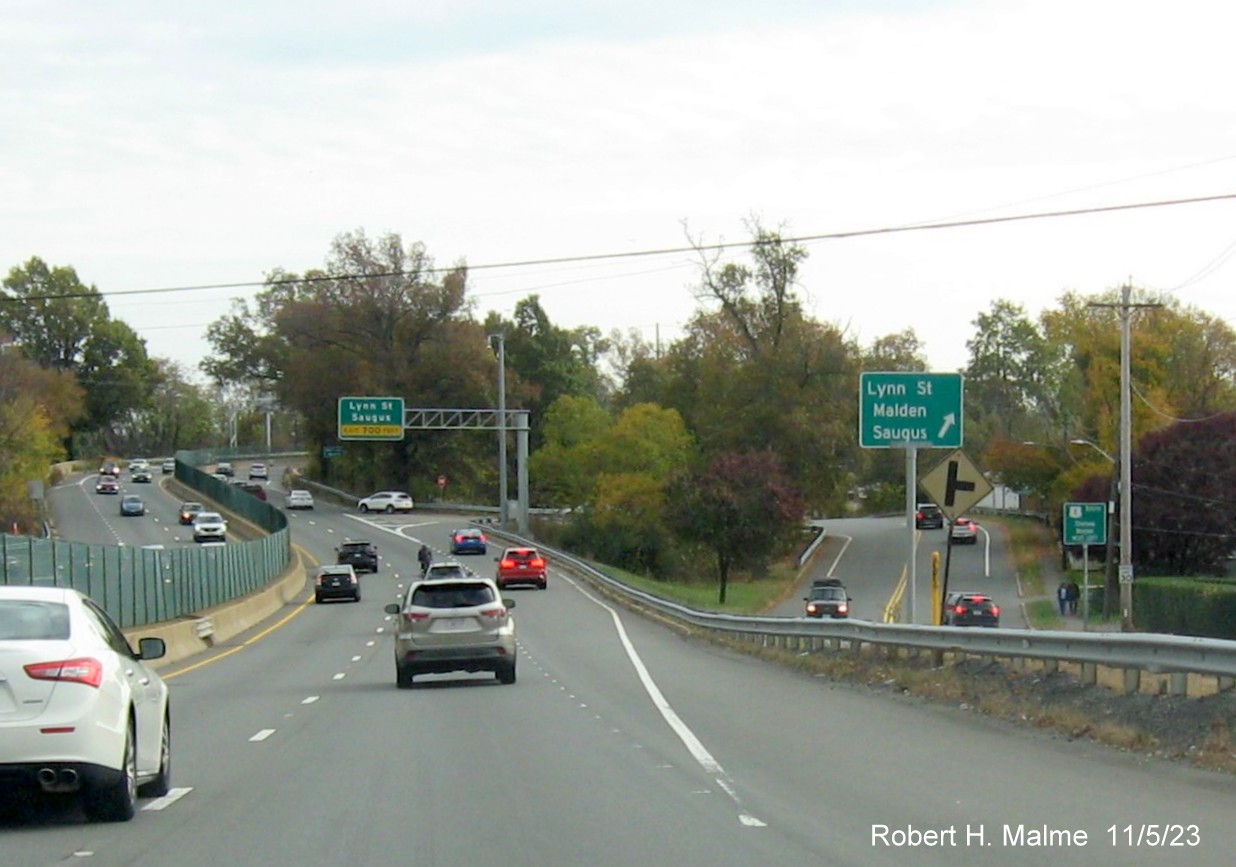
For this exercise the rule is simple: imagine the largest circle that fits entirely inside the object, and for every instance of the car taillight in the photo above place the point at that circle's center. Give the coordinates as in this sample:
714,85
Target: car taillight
494,612
960,609
995,609
85,670
415,616
317,580
507,564
538,563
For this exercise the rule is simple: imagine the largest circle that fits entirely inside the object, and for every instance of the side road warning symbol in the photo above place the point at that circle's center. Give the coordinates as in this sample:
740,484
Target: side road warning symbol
956,485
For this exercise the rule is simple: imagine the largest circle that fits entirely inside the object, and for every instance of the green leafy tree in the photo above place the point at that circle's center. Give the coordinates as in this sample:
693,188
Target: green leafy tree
563,469
379,319
742,506
62,324
546,362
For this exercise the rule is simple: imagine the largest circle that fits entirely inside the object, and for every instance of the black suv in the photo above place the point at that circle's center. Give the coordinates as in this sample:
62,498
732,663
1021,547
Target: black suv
963,608
828,598
928,517
359,554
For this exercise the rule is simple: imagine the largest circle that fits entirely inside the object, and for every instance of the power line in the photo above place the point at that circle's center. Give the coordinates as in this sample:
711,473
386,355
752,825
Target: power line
662,251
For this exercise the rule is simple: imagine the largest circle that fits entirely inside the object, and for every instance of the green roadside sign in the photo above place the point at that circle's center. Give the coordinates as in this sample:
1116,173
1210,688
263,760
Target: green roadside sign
1085,524
371,418
900,409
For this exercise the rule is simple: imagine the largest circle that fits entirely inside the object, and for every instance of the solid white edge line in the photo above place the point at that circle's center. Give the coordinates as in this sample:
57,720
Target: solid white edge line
693,744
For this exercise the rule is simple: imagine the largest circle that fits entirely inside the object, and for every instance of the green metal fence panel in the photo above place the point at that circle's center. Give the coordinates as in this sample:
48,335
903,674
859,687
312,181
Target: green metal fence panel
138,586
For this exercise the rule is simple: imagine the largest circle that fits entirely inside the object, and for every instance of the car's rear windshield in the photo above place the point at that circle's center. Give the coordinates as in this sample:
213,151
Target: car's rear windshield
460,594
27,620
522,554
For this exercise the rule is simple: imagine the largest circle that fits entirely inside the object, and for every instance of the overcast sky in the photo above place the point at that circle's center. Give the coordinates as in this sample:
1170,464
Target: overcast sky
153,146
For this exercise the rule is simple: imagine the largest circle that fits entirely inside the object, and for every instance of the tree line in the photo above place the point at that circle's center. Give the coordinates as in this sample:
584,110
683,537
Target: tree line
719,442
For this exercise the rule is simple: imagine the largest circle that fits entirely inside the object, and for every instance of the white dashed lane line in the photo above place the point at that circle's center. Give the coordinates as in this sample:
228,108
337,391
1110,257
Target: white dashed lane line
262,735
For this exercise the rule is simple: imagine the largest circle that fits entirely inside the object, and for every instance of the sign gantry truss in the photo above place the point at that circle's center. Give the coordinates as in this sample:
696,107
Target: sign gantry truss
417,418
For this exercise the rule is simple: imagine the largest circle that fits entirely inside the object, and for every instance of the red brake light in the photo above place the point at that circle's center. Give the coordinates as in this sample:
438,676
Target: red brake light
507,564
538,563
995,609
960,609
494,612
83,670
415,616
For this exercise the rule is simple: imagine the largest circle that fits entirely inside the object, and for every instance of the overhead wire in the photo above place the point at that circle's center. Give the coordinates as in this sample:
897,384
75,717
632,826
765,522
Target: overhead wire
664,251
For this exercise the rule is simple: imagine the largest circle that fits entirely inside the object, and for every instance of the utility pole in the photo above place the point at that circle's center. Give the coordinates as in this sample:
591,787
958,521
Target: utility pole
1125,570
497,342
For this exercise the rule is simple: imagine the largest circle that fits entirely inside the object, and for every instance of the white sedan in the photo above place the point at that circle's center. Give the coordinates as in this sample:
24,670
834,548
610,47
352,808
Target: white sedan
299,499
386,501
80,712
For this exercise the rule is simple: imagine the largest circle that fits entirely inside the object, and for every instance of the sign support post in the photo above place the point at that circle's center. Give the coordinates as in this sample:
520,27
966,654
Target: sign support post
910,410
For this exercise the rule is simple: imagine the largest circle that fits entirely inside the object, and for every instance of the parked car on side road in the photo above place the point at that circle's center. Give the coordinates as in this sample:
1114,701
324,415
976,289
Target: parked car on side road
81,712
522,566
453,625
386,501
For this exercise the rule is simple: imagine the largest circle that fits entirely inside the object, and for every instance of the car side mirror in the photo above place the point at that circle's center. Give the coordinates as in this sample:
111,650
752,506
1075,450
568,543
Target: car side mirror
806,599
509,603
151,648
393,608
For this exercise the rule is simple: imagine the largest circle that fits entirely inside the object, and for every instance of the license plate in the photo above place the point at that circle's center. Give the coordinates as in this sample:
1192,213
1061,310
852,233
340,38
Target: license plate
455,624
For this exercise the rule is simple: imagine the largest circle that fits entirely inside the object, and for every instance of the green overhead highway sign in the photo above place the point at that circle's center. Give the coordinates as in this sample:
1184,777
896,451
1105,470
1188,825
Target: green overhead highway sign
898,410
371,418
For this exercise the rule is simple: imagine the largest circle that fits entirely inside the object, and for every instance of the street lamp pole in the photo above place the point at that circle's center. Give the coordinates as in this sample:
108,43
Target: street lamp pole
1110,586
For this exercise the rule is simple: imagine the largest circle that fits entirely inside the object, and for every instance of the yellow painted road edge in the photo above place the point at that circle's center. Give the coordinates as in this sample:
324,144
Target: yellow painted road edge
296,612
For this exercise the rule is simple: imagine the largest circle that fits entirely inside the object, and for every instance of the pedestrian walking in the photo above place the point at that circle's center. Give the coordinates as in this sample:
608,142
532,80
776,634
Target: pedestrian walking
1074,594
425,558
1062,597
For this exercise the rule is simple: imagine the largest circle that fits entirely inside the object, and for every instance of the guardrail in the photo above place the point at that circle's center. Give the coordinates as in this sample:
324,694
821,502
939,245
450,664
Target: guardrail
1133,653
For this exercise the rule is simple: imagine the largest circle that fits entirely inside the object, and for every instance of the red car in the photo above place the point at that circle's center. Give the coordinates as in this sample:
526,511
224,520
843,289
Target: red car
521,566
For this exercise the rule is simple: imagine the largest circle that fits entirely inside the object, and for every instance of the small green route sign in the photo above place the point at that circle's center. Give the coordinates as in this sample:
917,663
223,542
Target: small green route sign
1085,524
371,418
899,409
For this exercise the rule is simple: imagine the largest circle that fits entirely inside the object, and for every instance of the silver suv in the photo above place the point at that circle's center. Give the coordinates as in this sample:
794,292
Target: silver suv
456,624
